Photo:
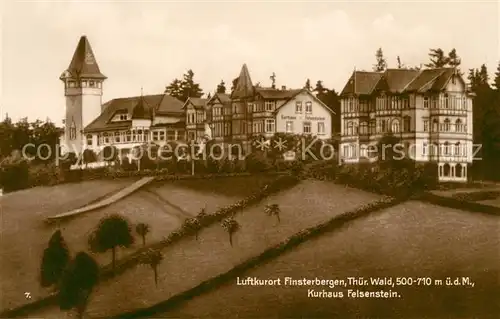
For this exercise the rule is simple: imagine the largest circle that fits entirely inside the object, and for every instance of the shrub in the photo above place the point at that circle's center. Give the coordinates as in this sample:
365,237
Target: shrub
476,196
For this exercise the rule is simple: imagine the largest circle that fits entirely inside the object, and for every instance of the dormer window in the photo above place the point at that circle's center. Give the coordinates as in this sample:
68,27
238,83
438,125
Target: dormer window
123,117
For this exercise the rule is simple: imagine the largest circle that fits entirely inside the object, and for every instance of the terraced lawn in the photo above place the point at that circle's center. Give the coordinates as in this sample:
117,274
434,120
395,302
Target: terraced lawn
189,262
412,239
24,235
21,254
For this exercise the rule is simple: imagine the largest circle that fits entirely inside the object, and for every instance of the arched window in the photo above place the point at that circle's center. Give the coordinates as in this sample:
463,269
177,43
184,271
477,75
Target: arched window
446,101
89,139
458,170
105,138
435,125
383,126
372,127
446,169
446,148
458,126
446,125
128,136
395,126
349,128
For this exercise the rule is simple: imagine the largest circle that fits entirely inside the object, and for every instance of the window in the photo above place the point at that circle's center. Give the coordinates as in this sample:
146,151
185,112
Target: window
435,125
72,132
270,126
117,137
446,148
424,148
395,126
307,127
92,84
89,140
446,101
372,127
446,125
71,84
383,126
128,136
426,125
321,128
457,149
289,126
453,80
154,136
459,127
170,135
407,124
349,128
161,135
105,137
298,107
269,106
123,117
363,128
84,84
426,102
309,107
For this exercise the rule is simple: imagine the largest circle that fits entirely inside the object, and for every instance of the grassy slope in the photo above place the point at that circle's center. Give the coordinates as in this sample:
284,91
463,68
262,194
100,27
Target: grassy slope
24,235
412,239
190,262
21,265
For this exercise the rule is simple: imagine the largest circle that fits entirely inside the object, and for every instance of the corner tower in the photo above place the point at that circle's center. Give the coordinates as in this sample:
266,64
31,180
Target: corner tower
83,90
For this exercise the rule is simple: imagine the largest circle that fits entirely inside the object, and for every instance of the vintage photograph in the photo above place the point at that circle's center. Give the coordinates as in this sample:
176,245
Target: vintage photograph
250,159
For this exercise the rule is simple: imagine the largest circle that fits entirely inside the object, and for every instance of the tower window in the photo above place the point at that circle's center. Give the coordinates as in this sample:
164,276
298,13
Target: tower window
71,84
92,84
72,132
84,84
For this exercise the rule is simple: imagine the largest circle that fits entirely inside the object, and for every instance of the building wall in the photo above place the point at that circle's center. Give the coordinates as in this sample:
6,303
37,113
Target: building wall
287,114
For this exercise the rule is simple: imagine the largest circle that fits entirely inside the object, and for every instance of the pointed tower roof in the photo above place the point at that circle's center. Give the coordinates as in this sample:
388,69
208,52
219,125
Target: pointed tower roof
244,86
83,63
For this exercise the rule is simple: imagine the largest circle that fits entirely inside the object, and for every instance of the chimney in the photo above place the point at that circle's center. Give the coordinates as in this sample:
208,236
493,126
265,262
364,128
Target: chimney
283,87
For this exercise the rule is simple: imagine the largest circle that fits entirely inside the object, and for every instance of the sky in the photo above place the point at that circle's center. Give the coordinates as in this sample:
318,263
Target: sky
149,43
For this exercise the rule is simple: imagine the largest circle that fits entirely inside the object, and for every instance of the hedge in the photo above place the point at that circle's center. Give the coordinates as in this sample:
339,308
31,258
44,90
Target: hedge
265,256
454,203
476,196
282,182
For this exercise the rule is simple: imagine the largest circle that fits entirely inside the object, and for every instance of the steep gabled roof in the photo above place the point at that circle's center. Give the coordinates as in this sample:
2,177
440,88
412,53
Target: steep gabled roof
424,80
196,102
221,97
398,79
361,82
271,93
162,103
244,87
83,64
304,90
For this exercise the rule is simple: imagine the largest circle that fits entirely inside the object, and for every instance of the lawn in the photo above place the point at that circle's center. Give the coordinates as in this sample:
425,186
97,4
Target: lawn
411,239
24,235
21,255
189,262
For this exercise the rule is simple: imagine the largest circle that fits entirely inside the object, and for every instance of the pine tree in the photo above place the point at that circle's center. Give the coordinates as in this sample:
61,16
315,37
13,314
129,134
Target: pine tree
381,64
497,78
189,88
221,88
308,85
438,59
174,89
453,59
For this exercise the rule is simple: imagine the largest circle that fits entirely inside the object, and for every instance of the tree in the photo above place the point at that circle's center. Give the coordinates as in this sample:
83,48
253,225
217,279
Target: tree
153,258
189,88
234,84
221,88
112,232
454,60
174,89
319,89
77,283
438,59
381,64
142,229
273,210
231,226
54,261
89,156
307,86
497,78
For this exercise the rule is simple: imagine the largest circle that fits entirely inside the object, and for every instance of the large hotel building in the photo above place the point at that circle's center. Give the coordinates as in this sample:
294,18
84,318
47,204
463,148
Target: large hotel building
430,111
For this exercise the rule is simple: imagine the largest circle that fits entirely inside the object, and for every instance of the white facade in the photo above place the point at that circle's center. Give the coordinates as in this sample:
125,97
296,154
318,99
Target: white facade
304,114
